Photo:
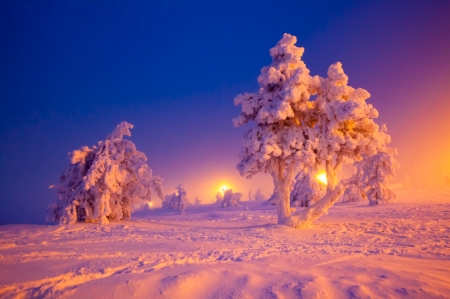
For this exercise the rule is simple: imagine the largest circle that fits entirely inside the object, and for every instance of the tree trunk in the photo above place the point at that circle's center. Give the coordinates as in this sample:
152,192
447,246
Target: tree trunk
305,217
332,171
282,181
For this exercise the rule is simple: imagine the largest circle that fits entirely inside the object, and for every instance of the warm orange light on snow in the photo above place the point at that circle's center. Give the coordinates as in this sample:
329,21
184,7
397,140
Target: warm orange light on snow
322,177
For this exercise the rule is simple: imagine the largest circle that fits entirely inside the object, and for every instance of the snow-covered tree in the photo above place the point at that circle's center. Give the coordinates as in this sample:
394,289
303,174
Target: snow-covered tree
231,199
306,191
250,196
104,182
258,195
376,172
294,132
197,201
353,192
176,201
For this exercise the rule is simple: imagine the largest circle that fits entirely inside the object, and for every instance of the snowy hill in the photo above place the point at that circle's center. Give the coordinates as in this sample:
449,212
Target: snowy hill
356,251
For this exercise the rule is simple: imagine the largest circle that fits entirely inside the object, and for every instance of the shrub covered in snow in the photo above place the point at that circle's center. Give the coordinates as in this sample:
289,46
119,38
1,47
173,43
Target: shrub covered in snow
104,182
176,201
371,180
353,193
295,132
231,199
376,172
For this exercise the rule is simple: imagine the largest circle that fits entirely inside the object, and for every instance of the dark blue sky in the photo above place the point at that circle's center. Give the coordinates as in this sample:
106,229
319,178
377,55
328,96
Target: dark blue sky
72,70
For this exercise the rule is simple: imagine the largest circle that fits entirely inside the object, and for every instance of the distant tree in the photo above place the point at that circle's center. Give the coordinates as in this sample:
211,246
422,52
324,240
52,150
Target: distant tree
177,201
296,132
250,196
258,195
231,199
197,201
104,182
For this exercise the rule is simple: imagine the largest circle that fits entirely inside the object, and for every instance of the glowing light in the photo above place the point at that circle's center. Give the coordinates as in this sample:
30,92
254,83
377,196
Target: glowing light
150,204
223,188
322,177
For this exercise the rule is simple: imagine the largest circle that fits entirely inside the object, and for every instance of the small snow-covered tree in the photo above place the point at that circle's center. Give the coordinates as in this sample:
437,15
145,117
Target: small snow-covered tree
258,195
353,192
176,201
294,132
104,182
250,196
306,190
376,172
231,199
197,201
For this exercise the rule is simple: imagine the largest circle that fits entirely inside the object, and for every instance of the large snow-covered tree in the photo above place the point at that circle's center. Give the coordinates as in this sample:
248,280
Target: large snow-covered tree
104,182
296,132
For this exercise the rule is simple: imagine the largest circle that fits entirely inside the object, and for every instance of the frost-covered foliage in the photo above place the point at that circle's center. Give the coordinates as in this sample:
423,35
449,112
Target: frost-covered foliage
354,190
371,180
353,193
176,201
104,182
231,199
376,172
306,191
294,132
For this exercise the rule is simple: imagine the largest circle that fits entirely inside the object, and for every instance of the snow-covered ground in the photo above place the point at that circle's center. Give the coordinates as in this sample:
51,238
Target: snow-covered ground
356,251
